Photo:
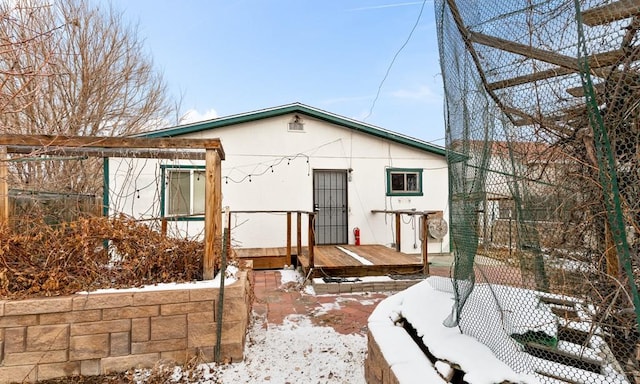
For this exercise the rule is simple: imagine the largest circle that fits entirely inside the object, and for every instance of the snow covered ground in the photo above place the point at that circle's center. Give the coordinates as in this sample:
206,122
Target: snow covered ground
293,352
299,351
296,351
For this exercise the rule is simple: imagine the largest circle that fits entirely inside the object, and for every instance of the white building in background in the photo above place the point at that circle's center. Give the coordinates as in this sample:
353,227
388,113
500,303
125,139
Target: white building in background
292,158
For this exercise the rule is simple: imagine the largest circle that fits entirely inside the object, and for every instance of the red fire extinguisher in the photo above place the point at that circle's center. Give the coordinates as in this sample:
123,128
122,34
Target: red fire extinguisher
356,234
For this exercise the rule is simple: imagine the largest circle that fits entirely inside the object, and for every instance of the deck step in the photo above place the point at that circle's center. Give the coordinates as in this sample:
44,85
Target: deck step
266,258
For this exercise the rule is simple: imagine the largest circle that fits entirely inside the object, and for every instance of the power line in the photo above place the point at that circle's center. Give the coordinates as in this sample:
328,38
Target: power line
394,60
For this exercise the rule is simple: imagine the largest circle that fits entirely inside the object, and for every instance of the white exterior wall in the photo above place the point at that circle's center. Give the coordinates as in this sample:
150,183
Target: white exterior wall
259,147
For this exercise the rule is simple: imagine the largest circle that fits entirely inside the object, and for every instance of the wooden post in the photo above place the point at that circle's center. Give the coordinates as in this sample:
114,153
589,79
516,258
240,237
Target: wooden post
4,187
312,239
163,227
289,237
212,213
299,235
425,243
398,221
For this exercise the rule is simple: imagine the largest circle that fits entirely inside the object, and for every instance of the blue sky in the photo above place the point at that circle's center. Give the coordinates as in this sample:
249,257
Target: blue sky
225,57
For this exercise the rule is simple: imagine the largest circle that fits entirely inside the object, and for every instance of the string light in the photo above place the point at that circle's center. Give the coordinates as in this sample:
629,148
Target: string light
275,163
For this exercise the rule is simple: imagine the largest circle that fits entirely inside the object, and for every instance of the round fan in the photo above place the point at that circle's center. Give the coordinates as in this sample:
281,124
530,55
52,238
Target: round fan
438,228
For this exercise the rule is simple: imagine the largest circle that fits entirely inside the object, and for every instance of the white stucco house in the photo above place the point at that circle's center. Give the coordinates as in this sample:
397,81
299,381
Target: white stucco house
292,158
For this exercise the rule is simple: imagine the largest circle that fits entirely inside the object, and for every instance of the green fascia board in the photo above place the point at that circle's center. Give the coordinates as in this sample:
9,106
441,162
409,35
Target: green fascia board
303,110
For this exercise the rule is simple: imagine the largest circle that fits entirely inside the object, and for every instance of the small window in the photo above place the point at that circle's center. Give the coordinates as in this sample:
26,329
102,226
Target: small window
404,182
185,192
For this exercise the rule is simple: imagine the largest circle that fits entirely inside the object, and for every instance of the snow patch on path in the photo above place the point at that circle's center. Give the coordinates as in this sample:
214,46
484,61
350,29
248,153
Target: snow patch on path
298,352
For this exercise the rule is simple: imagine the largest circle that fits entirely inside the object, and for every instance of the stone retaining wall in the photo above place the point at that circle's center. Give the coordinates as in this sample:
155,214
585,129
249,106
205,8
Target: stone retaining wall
393,357
383,284
99,333
377,369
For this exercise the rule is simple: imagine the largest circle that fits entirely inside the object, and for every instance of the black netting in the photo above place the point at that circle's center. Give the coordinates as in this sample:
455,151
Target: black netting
543,144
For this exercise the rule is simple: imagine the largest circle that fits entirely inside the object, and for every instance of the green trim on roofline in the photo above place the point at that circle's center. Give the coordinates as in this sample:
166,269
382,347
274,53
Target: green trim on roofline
301,109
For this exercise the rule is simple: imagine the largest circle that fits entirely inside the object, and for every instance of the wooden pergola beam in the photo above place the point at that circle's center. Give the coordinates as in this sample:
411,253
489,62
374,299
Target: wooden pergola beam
602,72
579,91
536,76
596,61
108,152
59,142
524,50
604,14
596,70
527,119
599,63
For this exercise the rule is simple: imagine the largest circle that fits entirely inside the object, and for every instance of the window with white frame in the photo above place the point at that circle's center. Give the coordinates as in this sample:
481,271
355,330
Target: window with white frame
404,182
184,193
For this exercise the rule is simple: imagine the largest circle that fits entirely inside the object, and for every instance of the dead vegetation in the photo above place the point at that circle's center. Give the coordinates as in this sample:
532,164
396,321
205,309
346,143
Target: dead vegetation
37,259
164,372
89,253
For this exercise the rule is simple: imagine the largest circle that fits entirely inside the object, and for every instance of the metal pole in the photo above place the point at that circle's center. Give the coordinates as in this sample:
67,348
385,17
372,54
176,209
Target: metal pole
223,268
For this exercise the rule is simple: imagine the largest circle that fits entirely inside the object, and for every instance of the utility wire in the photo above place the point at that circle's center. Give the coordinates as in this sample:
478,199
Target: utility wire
394,60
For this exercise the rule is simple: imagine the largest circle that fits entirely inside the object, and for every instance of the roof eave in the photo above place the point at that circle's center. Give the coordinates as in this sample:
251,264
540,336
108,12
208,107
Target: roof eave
295,108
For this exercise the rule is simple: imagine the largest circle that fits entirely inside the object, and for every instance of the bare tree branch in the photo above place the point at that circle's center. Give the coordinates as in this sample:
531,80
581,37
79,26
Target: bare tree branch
70,68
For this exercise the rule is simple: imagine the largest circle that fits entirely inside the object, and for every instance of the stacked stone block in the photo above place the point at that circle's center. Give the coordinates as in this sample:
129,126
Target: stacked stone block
376,368
99,333
322,288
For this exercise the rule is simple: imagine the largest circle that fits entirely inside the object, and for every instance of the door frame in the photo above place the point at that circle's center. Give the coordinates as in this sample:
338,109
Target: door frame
345,172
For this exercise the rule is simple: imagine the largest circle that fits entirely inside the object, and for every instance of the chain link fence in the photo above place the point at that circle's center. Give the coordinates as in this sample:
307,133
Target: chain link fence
543,139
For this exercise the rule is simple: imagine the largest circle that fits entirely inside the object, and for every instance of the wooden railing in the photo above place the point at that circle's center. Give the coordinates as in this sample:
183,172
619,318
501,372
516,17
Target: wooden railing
311,240
424,228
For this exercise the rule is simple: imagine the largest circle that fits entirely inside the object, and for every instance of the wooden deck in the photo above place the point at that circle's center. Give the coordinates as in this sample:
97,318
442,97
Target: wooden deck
339,260
331,260
358,261
266,258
